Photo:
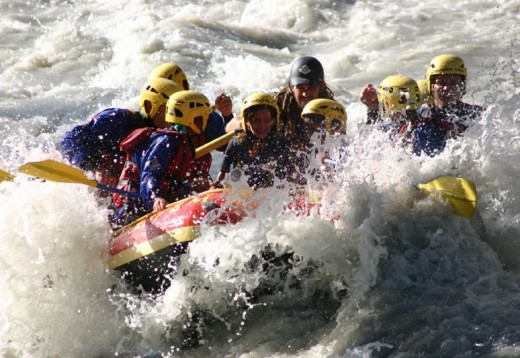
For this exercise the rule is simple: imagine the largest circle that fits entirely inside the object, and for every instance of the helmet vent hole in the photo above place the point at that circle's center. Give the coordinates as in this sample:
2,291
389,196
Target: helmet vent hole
178,113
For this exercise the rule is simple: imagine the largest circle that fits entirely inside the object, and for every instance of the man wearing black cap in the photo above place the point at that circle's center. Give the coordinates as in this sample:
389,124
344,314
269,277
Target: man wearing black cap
306,82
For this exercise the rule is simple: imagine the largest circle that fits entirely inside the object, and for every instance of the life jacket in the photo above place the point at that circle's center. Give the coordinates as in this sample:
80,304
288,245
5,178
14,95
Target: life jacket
408,128
460,114
428,135
262,163
177,178
129,177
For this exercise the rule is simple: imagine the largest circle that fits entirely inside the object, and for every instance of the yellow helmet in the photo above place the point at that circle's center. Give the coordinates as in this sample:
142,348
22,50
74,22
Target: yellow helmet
398,93
262,100
172,72
447,64
184,107
155,93
424,91
333,112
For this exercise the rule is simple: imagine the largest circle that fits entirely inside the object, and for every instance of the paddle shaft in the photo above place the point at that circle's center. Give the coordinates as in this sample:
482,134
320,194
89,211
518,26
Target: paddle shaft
117,191
216,143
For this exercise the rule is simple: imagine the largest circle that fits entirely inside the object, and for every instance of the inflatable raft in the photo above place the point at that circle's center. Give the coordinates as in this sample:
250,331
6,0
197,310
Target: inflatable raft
146,251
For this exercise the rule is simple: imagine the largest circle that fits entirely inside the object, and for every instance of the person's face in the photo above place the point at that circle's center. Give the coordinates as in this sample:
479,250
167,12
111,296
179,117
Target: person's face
261,123
304,93
447,89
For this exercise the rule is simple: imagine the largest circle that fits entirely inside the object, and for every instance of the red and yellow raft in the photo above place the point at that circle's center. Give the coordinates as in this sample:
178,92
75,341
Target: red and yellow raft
146,251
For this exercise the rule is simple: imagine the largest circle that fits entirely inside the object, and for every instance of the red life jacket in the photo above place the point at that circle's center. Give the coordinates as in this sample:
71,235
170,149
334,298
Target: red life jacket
184,169
129,177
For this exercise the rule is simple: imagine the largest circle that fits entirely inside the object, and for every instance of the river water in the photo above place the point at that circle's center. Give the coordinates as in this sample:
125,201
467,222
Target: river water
396,274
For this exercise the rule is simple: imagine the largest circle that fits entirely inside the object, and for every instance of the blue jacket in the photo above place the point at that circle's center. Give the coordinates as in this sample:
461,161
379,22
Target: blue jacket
153,157
95,145
429,138
160,163
167,166
461,115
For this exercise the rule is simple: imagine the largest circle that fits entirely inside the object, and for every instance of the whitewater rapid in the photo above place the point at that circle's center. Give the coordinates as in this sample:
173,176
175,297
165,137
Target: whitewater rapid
395,274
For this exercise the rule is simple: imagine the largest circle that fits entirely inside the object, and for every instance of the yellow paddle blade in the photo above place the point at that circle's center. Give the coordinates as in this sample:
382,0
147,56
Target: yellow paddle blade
55,171
214,144
5,176
459,192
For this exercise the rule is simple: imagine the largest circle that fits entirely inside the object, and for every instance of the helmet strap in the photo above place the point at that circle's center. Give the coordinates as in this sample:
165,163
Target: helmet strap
181,128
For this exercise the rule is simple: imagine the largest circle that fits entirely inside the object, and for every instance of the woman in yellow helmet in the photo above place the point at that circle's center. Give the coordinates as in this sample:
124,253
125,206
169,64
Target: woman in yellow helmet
306,82
261,153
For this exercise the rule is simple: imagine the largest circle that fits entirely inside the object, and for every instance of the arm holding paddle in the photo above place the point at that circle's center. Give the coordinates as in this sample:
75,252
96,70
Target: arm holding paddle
55,171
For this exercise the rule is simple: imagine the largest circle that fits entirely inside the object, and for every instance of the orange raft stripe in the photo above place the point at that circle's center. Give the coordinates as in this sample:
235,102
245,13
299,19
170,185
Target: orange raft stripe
184,234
